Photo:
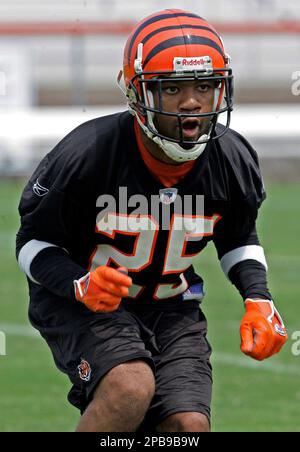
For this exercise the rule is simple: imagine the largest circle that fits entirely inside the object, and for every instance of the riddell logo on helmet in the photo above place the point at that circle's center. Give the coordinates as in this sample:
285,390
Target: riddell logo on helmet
194,63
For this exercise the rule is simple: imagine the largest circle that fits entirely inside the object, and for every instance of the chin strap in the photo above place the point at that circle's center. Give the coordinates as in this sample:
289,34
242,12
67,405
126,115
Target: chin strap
178,153
173,150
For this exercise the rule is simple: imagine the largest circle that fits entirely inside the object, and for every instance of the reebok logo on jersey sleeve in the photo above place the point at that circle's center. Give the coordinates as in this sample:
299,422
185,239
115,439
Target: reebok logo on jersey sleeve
38,189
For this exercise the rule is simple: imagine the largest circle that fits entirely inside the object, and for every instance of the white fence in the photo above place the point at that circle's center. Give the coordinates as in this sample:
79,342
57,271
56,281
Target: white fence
83,64
219,10
26,136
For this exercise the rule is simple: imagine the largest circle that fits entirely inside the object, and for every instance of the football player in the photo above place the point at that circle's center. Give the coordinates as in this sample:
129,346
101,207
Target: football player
113,291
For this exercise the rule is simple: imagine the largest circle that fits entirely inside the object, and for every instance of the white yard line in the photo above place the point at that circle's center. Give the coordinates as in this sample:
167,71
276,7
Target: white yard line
231,359
12,329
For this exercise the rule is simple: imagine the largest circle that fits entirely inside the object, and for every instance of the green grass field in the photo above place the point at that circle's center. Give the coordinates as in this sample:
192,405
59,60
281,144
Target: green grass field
248,396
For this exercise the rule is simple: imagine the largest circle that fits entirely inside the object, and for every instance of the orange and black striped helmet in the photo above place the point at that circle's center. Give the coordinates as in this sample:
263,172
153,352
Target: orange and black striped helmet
176,43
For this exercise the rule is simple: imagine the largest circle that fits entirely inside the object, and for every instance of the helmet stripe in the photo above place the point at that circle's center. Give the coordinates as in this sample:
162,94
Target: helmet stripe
178,41
153,20
179,27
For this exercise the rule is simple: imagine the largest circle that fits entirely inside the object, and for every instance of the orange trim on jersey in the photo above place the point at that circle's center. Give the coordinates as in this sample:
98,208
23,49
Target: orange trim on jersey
168,175
115,231
215,218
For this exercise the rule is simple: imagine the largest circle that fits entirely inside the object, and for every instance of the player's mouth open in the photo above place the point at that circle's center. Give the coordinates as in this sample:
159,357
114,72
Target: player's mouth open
191,128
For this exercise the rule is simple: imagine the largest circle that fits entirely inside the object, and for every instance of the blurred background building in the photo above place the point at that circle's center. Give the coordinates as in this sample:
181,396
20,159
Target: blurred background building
59,60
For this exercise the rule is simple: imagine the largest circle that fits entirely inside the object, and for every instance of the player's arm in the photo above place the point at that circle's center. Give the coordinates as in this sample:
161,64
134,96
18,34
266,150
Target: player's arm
241,255
46,227
50,266
243,261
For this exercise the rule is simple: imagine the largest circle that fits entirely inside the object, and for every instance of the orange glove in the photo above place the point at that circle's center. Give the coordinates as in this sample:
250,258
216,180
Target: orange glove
262,330
102,289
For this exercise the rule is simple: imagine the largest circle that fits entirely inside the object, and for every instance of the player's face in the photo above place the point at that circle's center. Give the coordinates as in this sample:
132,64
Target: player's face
184,97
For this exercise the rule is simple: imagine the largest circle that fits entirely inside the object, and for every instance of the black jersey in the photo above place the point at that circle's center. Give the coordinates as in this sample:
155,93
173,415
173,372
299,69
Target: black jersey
94,197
